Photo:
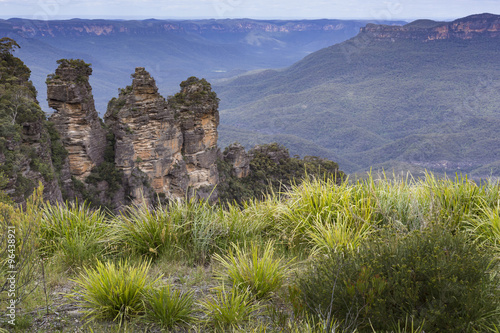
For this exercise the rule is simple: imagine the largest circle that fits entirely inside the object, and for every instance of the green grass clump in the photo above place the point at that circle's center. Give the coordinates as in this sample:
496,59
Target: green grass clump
255,270
73,231
169,308
321,200
113,291
185,230
144,231
337,233
485,228
441,279
229,309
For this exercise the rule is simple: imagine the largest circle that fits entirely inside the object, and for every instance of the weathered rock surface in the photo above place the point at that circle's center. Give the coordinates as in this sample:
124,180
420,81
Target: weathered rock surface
236,155
197,109
149,141
169,147
77,121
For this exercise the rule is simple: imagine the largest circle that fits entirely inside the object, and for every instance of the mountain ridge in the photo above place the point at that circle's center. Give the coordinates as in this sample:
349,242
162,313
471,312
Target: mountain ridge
170,50
473,26
376,101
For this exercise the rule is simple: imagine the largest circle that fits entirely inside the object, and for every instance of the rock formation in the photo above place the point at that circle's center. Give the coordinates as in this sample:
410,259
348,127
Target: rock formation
238,158
197,110
77,121
159,147
148,139
25,142
170,147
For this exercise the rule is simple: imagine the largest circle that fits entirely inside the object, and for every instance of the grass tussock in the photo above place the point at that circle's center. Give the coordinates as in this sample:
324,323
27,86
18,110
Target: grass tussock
380,254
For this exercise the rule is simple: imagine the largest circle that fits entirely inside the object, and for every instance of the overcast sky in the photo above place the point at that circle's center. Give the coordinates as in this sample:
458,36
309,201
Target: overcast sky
259,9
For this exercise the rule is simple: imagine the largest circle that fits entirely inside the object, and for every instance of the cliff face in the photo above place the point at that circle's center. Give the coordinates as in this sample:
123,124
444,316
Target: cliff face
148,139
239,160
482,25
77,121
197,109
169,147
25,143
81,27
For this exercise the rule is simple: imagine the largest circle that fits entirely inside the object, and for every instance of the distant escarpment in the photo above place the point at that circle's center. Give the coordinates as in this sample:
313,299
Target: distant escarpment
481,25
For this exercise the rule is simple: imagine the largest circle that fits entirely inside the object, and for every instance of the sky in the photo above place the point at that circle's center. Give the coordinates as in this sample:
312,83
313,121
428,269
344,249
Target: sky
257,9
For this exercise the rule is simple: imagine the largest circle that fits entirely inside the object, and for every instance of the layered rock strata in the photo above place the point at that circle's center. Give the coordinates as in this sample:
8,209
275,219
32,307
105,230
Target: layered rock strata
196,107
148,146
170,147
160,147
77,121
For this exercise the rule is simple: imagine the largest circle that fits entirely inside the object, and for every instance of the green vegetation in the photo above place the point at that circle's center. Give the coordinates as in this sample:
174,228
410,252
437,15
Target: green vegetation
59,153
231,309
407,105
25,139
169,308
422,275
272,169
113,291
202,93
73,232
258,272
73,63
376,255
106,171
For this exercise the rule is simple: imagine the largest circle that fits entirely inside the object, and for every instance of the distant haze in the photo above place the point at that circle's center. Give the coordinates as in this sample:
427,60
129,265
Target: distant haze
258,9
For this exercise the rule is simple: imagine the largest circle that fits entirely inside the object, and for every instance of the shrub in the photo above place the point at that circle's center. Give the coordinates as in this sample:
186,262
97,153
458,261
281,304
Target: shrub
169,308
229,309
254,270
111,291
440,279
485,228
73,230
339,233
144,231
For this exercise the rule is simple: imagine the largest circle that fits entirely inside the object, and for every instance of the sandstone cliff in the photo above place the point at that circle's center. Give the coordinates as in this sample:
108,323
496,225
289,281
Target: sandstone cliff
148,146
77,121
481,25
196,107
169,147
239,160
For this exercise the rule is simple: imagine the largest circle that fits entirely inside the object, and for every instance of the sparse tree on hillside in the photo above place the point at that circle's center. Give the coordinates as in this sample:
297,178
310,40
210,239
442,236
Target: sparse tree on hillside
8,45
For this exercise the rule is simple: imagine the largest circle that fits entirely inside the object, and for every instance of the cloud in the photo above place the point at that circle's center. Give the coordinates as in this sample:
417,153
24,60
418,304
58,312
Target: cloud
365,9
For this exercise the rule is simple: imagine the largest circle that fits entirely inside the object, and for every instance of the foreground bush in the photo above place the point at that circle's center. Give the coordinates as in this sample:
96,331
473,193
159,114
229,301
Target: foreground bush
114,292
257,271
169,308
439,279
229,309
74,231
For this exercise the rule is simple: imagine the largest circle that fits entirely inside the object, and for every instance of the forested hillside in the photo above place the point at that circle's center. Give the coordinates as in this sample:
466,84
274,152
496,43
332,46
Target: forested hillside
394,97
